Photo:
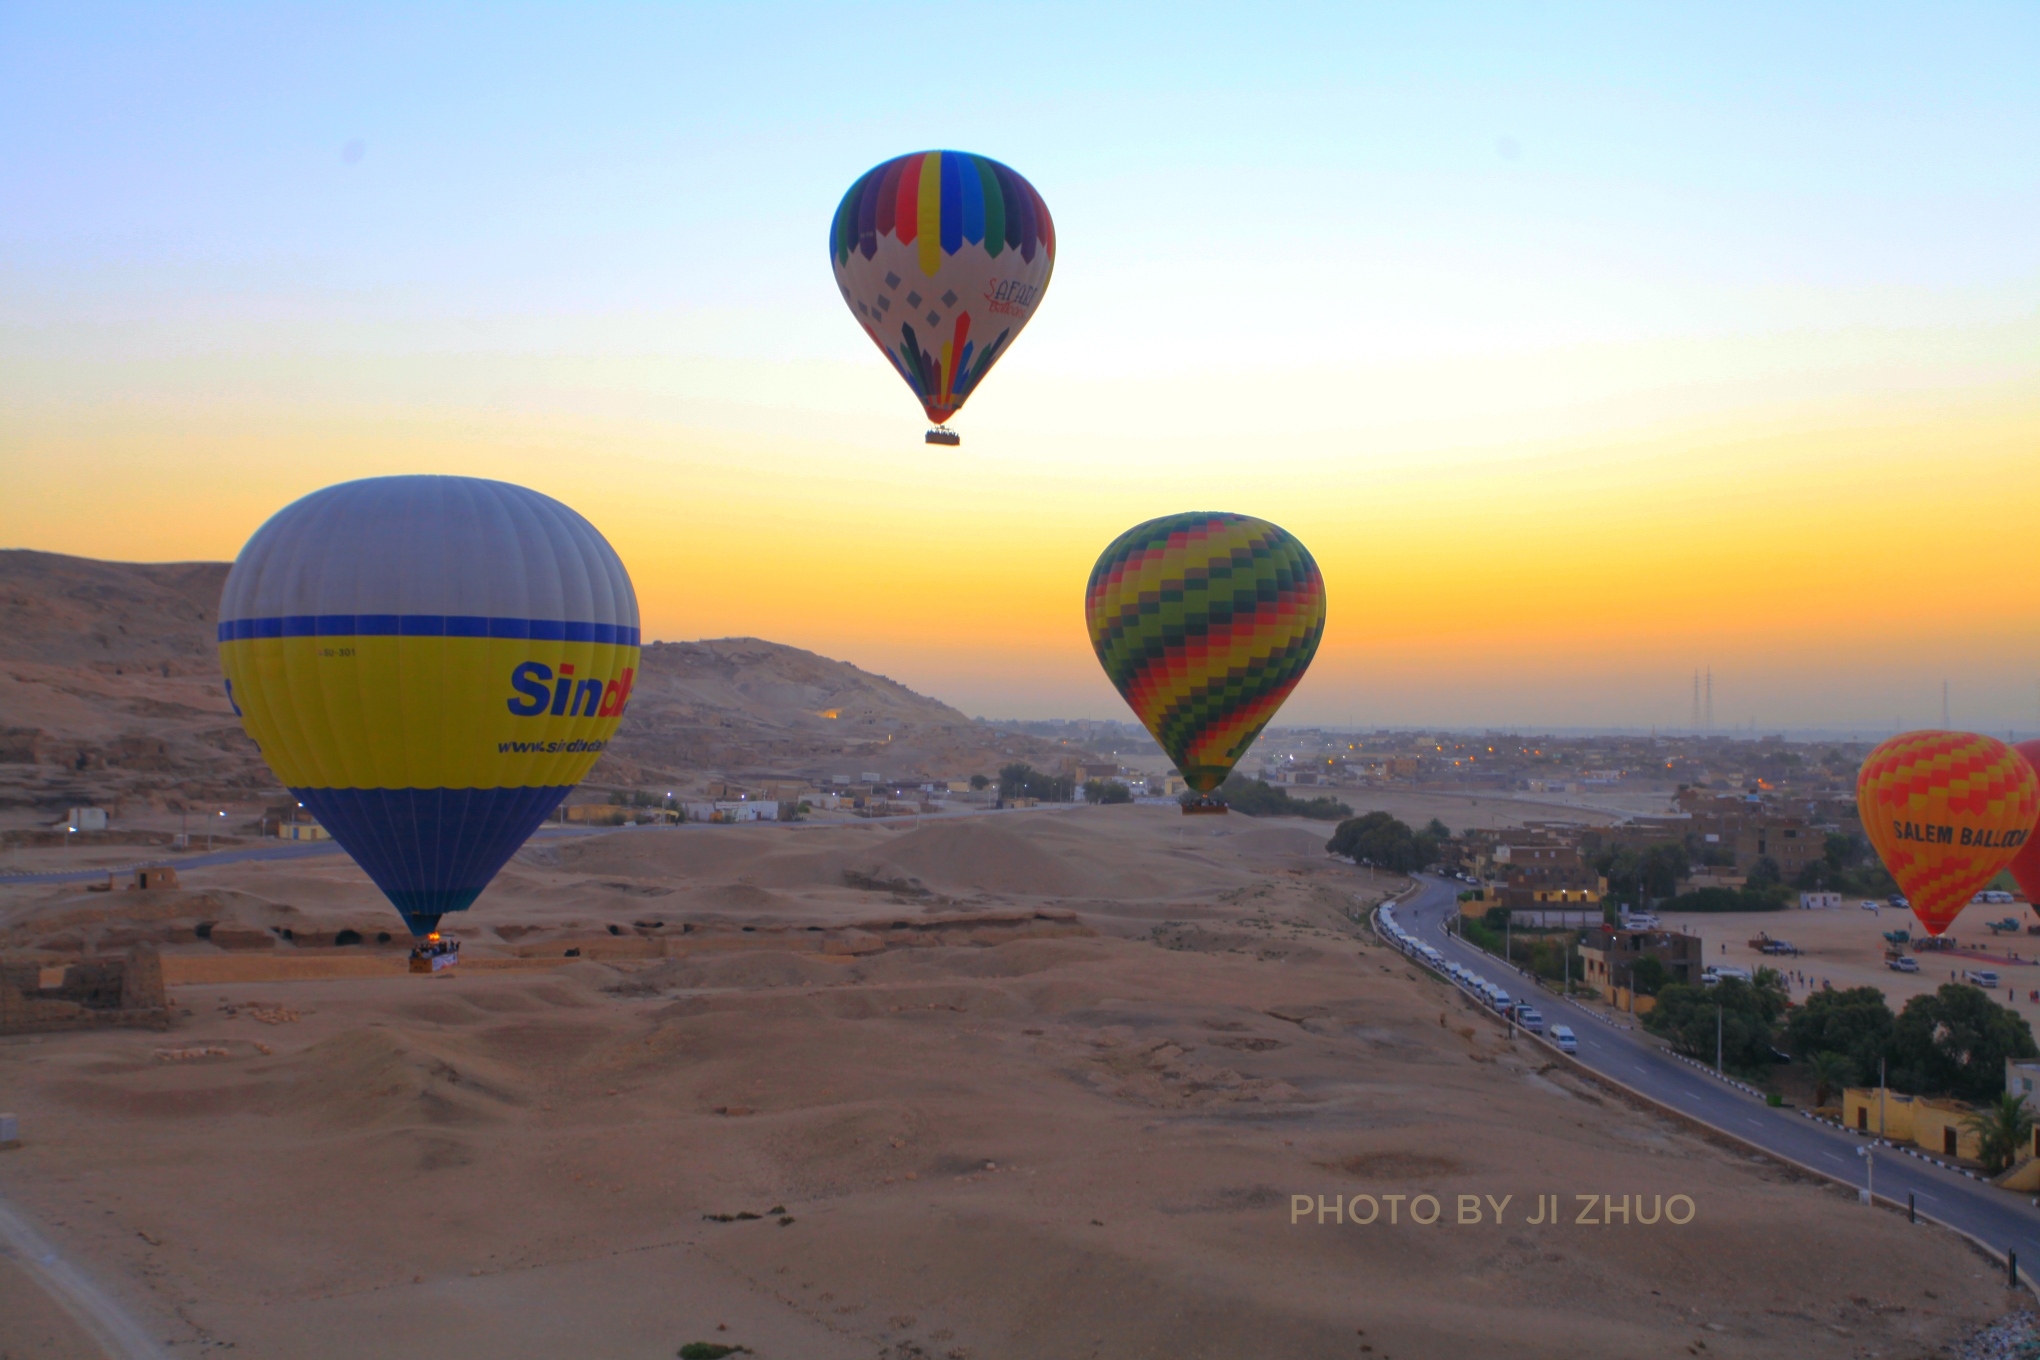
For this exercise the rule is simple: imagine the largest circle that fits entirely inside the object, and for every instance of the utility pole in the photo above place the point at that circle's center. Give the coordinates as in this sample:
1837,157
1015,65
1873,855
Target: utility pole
1880,1093
1717,1038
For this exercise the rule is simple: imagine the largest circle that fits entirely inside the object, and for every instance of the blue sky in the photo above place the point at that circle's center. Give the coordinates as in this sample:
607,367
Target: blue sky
1409,248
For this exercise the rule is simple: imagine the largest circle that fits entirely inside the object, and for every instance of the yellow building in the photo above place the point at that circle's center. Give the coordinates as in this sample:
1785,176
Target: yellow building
1889,1117
1939,1129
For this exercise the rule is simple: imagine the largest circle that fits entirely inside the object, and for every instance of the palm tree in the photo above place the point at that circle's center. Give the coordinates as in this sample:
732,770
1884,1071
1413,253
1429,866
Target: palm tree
1830,1071
2004,1129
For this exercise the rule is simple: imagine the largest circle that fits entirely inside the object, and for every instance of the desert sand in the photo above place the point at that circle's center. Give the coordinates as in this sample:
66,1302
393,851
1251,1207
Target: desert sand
1039,1084
1845,946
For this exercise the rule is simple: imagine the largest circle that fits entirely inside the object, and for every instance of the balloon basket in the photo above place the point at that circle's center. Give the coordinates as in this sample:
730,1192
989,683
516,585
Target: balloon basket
1204,807
942,434
432,954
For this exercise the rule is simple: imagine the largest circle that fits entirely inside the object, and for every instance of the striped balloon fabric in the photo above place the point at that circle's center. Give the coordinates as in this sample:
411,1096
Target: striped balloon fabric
1204,624
1946,811
942,257
429,664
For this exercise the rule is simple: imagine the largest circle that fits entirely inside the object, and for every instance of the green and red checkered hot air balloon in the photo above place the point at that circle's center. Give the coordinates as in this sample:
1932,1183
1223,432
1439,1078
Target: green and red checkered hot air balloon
1204,624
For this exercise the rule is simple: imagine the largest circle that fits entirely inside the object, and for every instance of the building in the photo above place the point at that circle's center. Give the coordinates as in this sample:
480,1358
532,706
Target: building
94,993
1788,841
86,818
1886,1113
300,831
1608,956
1819,901
1940,1128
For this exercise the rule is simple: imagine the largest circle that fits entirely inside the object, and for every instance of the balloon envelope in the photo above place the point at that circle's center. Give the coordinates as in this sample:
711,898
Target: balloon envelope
1946,811
942,257
1205,623
429,664
2025,865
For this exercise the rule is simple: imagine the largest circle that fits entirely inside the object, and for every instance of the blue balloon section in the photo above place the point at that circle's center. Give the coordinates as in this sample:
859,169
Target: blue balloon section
431,851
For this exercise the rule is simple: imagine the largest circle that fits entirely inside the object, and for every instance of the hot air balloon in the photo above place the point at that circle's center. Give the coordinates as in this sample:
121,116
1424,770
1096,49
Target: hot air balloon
1204,624
2025,865
942,256
429,664
1946,811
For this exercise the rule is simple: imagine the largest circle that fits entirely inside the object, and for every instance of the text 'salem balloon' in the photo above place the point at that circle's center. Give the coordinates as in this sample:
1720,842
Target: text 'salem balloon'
429,664
943,257
2025,865
1205,623
1946,811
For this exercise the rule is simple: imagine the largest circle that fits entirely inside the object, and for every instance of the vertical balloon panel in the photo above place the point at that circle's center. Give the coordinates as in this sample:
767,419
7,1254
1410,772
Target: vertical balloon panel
429,664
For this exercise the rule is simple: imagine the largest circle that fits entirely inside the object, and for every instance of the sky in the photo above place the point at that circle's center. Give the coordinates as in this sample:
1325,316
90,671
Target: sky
1583,346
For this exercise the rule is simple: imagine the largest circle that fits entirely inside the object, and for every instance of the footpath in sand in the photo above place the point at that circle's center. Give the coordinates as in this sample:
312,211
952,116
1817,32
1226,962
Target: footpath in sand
1078,1131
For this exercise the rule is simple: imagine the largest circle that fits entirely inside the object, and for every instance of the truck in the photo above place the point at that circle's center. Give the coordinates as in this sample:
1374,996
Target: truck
1980,977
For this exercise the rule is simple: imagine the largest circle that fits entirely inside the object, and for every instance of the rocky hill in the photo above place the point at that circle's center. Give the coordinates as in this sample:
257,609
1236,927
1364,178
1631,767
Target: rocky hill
110,688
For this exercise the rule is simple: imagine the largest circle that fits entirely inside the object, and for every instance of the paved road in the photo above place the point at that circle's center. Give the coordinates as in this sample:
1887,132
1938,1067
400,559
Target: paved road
269,850
1994,1217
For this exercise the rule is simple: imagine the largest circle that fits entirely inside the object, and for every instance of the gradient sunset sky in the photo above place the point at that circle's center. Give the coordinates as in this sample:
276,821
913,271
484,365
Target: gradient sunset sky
1582,346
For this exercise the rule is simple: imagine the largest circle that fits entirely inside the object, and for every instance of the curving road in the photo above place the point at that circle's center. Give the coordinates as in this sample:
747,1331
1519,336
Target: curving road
2002,1221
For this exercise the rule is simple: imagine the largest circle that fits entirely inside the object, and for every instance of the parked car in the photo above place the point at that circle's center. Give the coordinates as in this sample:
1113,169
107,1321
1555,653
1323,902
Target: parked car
1563,1036
1530,1018
1902,963
1898,900
1870,906
1981,977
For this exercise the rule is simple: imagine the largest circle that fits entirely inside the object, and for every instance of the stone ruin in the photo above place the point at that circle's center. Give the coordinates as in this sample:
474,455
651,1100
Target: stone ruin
95,993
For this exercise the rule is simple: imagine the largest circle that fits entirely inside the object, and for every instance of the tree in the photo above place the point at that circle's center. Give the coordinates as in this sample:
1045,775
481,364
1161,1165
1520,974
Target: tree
1663,867
1686,1016
978,781
1258,798
1106,791
2004,1129
1955,1042
1020,779
1765,872
1382,841
1437,830
1647,976
1854,1022
1830,1072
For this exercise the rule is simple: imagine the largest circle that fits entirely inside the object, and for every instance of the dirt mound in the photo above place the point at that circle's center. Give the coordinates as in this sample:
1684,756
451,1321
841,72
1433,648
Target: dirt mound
746,971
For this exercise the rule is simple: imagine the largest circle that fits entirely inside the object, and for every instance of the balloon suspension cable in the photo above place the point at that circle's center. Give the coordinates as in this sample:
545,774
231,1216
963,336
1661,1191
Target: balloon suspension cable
1205,806
942,434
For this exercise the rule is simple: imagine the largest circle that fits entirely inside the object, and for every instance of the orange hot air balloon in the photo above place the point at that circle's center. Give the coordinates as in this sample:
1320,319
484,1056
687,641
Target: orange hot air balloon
2025,865
1946,811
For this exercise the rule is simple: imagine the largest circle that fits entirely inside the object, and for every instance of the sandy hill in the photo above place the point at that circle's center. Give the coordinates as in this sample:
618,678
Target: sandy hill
110,689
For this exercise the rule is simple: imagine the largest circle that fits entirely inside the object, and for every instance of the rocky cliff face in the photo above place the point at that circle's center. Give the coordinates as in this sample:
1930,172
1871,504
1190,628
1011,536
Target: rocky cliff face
110,689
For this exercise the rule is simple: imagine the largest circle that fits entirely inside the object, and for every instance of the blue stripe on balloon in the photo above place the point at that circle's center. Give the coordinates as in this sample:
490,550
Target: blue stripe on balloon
952,202
431,851
426,625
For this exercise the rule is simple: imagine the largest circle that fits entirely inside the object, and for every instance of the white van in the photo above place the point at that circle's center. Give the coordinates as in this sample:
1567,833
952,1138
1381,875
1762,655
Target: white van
1982,977
1530,1018
1562,1035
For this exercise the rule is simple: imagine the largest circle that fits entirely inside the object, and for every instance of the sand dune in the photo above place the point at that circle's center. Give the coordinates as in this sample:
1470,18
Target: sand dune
1070,1146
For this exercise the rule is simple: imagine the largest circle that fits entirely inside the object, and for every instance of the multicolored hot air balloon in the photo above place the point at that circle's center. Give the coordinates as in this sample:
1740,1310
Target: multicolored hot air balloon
429,664
1946,811
943,257
2025,865
1204,624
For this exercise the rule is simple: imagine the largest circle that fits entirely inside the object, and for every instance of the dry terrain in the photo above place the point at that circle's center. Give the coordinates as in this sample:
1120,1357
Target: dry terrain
1845,946
1035,1084
110,693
